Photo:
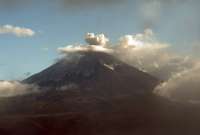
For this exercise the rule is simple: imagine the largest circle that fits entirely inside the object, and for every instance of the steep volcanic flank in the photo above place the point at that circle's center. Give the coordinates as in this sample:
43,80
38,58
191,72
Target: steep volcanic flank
95,72
95,94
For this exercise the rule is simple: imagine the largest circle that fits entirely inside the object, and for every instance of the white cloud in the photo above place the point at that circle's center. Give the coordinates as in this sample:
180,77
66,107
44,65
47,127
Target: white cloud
83,49
138,40
17,31
99,39
179,73
145,52
183,86
14,88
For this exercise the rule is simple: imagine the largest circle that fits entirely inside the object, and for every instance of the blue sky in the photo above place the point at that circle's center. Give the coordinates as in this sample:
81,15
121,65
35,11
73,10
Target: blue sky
56,24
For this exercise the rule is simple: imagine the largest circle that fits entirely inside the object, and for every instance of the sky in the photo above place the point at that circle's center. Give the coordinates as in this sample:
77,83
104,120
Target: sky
32,30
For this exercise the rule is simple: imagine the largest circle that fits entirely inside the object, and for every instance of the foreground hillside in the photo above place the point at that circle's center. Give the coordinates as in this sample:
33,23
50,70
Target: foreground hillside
123,115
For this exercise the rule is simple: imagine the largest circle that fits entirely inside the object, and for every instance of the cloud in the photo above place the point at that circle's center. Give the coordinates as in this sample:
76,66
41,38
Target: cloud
144,51
14,88
99,39
97,43
179,73
83,49
183,86
156,60
137,40
17,31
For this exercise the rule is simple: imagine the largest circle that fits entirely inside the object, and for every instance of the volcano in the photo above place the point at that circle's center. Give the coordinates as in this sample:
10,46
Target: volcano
86,82
97,73
94,93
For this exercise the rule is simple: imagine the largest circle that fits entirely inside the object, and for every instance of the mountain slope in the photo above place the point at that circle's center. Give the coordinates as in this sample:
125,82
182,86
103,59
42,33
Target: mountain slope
95,94
82,83
99,72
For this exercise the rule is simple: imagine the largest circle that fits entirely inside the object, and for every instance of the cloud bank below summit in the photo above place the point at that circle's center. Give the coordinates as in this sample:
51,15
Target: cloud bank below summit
147,53
15,88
